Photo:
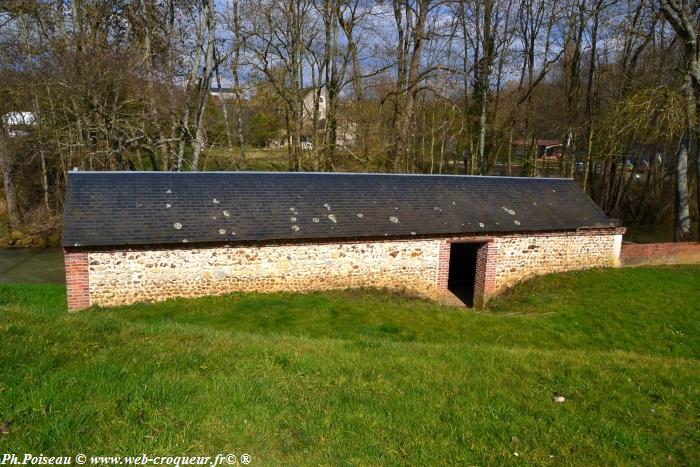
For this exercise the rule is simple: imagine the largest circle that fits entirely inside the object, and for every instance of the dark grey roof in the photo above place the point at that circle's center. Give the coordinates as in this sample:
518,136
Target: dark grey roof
132,208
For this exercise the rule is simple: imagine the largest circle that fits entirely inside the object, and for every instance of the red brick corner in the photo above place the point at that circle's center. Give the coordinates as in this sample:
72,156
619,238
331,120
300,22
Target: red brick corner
443,266
77,285
485,280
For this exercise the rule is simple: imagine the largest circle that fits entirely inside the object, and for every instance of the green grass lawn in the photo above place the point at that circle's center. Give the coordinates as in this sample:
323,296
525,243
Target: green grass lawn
365,377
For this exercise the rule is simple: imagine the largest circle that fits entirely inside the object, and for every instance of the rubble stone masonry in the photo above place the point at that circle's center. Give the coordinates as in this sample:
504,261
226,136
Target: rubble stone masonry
521,257
152,275
417,266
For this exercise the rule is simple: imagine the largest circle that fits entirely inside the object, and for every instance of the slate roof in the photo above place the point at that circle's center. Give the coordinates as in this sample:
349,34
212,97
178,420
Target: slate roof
142,208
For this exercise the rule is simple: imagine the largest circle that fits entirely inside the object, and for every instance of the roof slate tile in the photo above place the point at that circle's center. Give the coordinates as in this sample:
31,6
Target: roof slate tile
130,208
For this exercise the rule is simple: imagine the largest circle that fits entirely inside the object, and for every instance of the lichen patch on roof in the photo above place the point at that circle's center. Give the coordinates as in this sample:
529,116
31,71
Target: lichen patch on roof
126,208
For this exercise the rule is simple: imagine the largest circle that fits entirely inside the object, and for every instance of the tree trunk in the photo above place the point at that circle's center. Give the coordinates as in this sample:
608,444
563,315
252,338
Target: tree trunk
148,61
184,122
408,61
484,77
682,232
333,92
589,157
236,82
7,166
204,84
684,229
44,181
227,126
361,136
682,16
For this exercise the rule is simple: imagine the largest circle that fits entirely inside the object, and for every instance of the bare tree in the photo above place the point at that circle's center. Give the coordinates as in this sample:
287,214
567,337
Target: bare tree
126,86
238,43
590,90
410,18
208,15
7,165
682,15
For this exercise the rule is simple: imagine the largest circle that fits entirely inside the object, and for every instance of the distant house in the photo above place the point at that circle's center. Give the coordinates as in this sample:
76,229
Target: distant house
19,123
315,104
150,236
309,97
546,148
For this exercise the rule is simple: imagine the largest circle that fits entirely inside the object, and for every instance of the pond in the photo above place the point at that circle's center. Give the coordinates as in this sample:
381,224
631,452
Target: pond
32,266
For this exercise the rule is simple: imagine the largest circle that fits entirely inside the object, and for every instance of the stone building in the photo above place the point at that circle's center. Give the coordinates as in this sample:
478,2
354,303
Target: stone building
149,236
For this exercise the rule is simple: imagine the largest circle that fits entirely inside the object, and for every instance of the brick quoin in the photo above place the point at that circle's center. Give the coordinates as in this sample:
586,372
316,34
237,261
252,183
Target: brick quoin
485,283
77,279
443,267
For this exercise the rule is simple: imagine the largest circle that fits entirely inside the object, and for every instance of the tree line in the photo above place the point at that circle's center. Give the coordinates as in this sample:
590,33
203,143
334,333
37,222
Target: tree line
435,86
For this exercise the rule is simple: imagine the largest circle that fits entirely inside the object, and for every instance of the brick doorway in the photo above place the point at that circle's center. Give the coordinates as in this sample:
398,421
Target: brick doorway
462,274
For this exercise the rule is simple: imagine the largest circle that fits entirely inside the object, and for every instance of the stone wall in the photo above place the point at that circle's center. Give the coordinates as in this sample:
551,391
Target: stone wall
418,266
634,254
506,260
120,277
521,257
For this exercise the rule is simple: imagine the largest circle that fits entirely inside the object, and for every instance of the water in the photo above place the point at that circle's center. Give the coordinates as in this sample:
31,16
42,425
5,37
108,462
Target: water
32,266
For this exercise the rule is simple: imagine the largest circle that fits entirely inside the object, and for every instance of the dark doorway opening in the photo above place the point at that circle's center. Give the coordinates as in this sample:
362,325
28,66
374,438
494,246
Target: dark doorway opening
461,278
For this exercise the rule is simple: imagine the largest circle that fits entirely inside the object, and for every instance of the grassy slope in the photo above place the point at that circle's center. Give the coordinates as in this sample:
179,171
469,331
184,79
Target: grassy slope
365,377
